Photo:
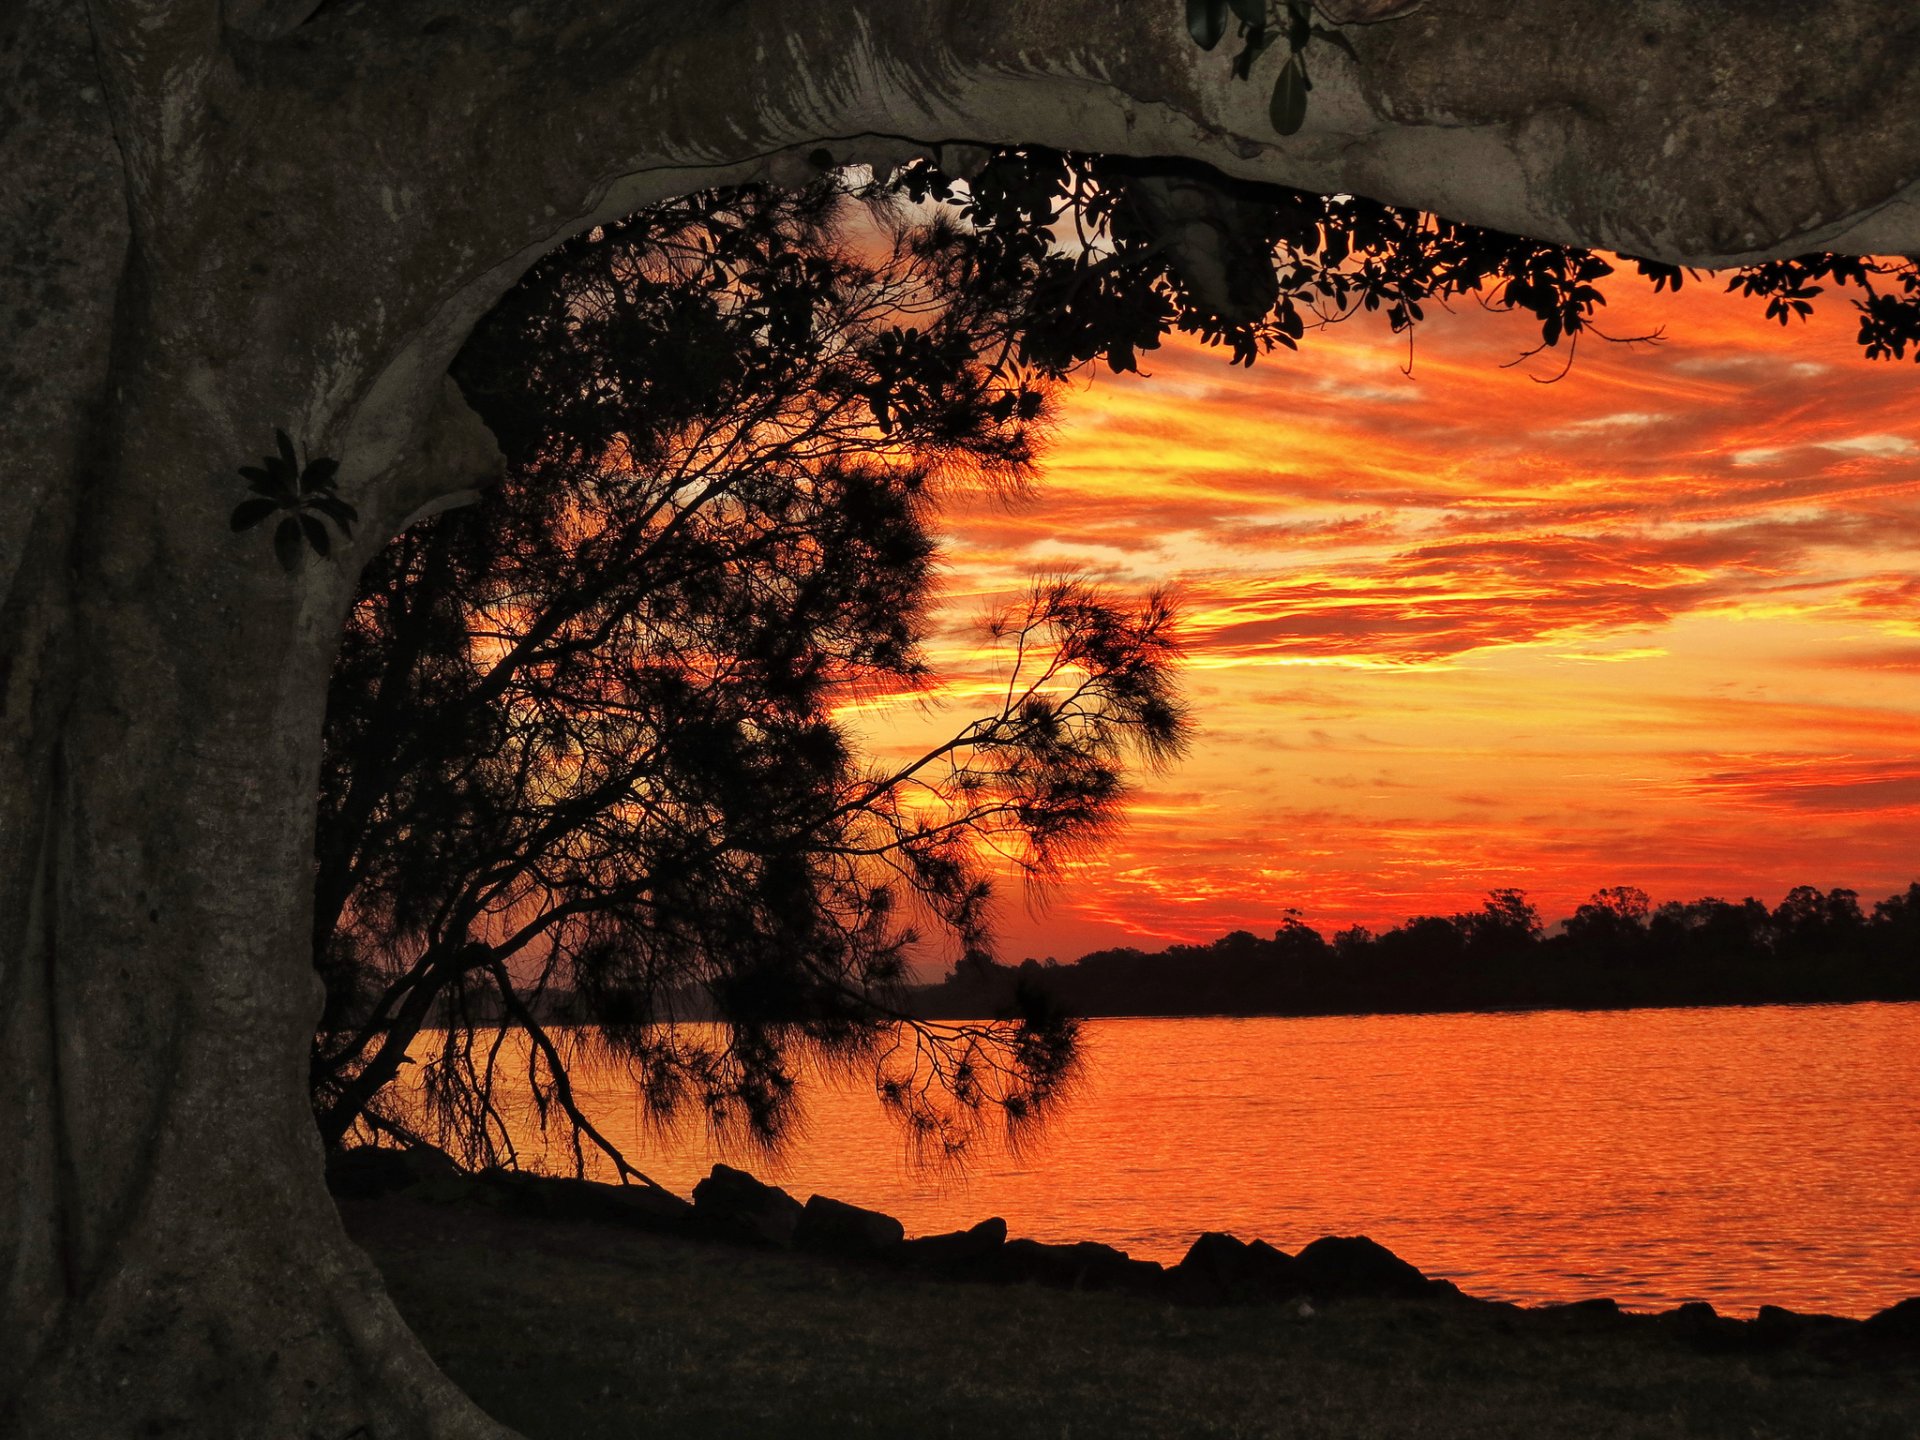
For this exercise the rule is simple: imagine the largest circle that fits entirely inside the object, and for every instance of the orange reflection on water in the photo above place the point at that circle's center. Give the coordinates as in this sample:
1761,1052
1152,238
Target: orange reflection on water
1768,1155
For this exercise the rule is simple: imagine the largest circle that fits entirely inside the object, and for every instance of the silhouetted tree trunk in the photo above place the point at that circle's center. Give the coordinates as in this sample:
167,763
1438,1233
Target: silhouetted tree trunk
219,220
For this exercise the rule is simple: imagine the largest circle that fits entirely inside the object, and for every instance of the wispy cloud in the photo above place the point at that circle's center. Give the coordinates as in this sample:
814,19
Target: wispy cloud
1657,623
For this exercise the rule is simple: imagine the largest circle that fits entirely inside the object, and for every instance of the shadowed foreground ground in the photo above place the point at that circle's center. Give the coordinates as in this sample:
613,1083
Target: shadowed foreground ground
576,1330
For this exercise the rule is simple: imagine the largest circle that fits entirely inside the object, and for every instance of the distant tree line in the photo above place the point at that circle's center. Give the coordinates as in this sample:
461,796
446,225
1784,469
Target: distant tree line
1617,950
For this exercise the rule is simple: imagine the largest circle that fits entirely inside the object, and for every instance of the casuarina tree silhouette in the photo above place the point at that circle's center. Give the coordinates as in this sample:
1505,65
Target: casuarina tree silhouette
582,737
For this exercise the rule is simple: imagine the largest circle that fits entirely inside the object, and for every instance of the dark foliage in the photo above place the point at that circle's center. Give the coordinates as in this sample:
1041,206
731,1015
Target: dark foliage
1260,27
300,496
1153,246
1616,950
584,756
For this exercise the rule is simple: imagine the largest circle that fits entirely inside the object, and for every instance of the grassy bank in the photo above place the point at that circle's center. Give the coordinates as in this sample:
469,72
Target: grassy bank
575,1330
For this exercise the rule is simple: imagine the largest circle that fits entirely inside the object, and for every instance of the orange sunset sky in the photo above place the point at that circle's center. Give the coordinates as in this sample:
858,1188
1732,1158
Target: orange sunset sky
1655,624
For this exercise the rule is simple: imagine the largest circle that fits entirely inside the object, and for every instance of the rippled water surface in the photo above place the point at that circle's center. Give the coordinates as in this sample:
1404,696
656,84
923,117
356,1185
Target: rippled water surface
1741,1156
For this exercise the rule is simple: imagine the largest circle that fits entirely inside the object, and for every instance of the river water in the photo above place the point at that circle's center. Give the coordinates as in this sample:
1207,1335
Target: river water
1745,1156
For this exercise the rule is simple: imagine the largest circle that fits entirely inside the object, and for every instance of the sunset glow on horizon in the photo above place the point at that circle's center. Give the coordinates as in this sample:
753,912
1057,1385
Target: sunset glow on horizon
1655,624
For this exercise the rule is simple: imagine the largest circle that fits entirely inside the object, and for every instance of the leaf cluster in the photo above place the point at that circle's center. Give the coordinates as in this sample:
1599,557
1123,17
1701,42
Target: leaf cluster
1260,27
1889,311
301,495
1106,278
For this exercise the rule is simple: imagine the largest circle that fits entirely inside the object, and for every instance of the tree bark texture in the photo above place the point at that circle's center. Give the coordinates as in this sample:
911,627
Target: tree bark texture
219,221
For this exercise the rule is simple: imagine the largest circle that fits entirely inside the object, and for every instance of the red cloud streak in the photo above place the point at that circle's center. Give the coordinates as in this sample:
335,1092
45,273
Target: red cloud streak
1656,623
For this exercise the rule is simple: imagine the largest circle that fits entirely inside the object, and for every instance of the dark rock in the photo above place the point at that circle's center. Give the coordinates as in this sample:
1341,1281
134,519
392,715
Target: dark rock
648,1206
1896,1327
1351,1267
1084,1265
1699,1325
1220,1269
1271,1270
1697,1321
551,1197
731,1205
365,1172
834,1227
959,1254
1599,1305
518,1192
1775,1327
452,1190
1211,1272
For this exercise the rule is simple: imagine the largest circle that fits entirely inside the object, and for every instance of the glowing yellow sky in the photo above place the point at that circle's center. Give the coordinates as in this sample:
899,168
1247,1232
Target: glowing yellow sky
1655,624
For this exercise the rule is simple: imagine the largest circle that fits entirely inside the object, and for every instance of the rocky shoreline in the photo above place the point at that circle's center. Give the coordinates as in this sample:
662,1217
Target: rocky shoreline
732,1207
